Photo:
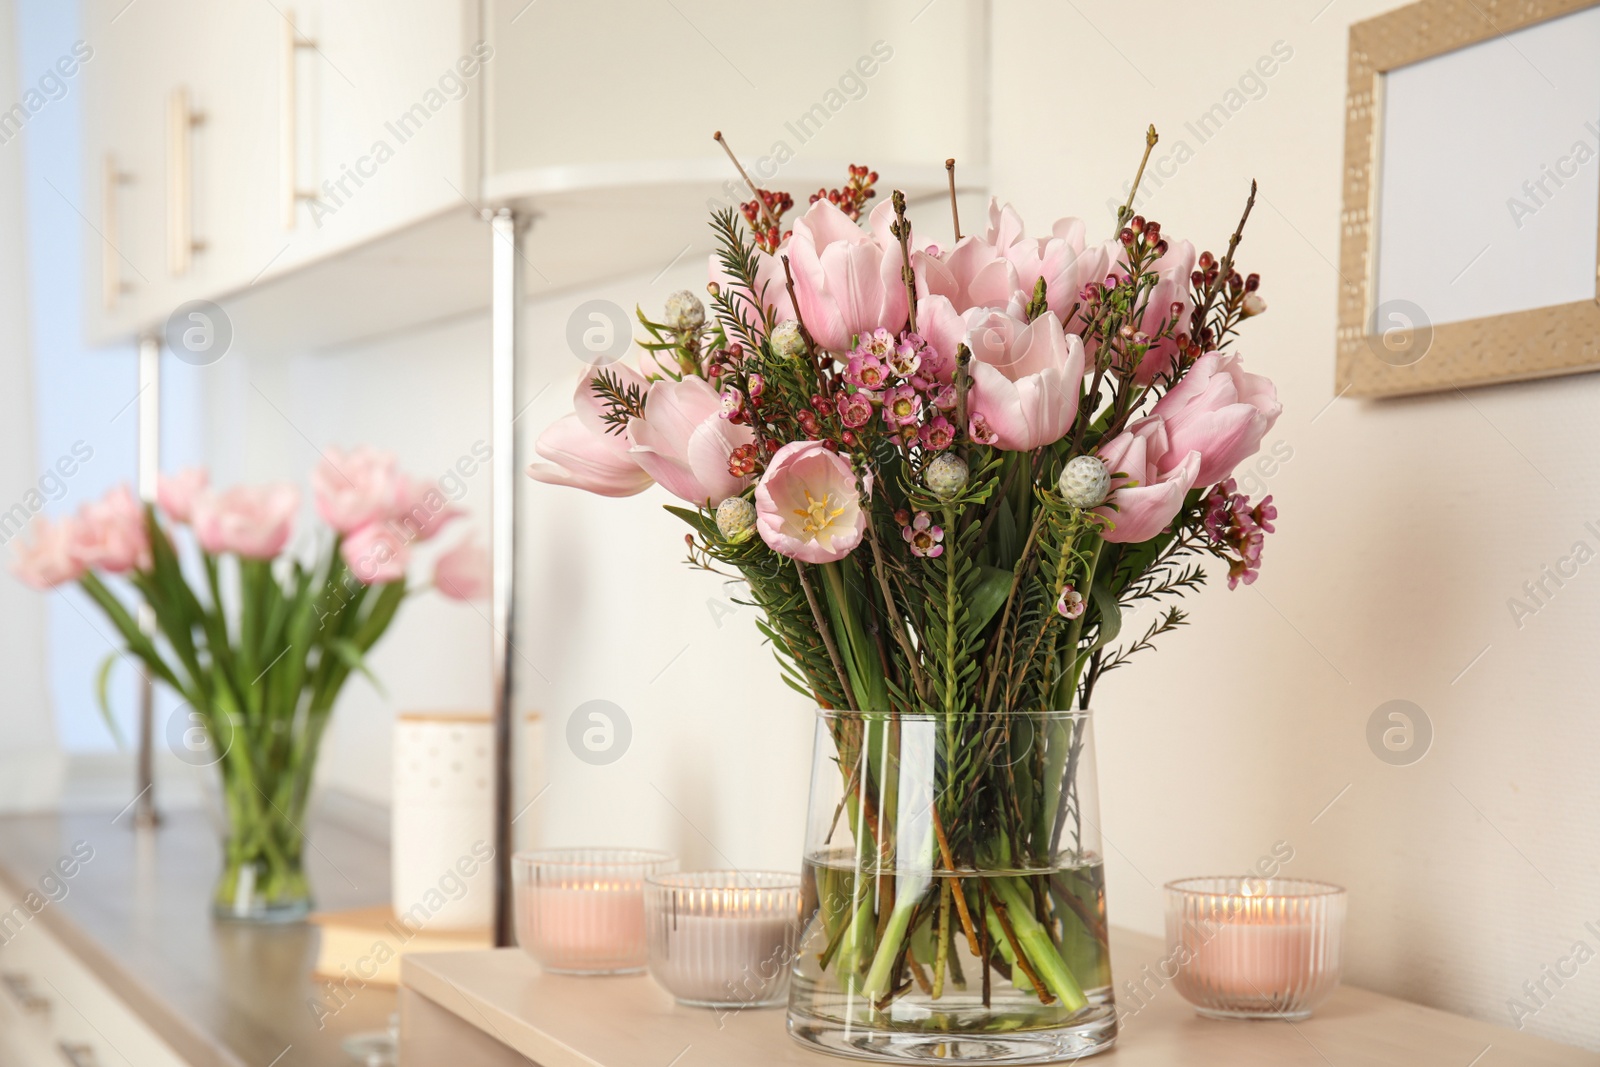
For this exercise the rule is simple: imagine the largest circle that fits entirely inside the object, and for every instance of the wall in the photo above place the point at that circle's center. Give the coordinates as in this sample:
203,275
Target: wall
1406,526
27,764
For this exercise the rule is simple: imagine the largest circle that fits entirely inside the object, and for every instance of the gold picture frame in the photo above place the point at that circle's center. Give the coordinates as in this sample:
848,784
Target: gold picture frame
1406,358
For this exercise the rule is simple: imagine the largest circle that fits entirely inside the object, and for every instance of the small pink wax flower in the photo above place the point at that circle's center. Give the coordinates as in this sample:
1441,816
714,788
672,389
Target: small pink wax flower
924,537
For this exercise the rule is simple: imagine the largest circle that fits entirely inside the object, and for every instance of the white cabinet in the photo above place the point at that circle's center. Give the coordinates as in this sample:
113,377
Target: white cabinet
54,1010
384,127
250,139
318,166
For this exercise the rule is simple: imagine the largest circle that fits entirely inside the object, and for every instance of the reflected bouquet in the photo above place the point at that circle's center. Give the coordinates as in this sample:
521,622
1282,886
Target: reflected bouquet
257,643
946,470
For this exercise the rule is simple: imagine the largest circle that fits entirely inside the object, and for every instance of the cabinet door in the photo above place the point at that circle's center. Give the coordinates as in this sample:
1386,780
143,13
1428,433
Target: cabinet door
388,102
122,193
222,68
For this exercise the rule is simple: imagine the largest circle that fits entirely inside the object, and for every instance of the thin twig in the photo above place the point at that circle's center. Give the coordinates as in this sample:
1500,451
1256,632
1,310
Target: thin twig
896,624
761,200
1126,210
826,631
1045,996
955,216
902,229
961,897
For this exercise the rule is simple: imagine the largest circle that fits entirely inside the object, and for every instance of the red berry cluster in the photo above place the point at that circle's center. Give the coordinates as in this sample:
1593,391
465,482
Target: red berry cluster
1146,234
768,235
855,194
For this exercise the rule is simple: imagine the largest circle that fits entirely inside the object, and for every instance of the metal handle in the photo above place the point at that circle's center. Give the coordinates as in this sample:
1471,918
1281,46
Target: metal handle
181,121
21,990
288,134
112,287
77,1054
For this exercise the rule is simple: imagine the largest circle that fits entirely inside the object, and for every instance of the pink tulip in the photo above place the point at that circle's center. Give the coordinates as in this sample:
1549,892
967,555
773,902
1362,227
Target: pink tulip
354,488
944,328
807,504
1060,259
684,443
1147,498
463,573
376,555
972,274
1026,378
1219,410
176,492
846,280
582,450
420,509
596,462
49,560
110,535
252,521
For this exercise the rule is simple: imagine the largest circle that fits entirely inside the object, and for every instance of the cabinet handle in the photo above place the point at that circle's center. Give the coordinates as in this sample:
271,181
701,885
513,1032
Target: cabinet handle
181,121
77,1054
21,990
112,287
288,135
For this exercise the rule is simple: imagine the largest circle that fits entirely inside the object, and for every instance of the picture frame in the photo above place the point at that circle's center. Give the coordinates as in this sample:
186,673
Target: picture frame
1390,346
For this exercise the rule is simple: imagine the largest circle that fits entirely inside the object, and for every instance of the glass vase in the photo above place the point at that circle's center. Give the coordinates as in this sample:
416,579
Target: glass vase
264,792
953,895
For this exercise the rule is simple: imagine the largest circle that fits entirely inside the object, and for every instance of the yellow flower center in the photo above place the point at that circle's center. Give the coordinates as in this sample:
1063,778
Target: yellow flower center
818,515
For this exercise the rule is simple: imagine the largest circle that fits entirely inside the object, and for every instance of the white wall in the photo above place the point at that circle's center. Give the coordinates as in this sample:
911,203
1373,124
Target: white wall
25,720
1405,527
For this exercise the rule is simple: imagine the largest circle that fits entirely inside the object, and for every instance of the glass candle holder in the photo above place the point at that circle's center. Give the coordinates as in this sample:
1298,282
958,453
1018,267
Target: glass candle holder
581,911
1255,948
723,939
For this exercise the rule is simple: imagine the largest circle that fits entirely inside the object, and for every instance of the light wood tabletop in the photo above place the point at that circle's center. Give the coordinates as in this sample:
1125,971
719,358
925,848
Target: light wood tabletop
561,1021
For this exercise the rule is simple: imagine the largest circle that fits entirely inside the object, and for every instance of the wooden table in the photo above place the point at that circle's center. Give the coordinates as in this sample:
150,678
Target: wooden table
218,994
497,1009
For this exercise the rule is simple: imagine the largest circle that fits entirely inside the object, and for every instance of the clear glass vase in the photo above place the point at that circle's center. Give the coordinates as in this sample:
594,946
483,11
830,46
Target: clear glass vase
953,897
263,849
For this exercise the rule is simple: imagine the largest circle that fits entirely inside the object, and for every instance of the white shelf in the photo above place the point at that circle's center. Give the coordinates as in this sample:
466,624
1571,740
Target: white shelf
589,224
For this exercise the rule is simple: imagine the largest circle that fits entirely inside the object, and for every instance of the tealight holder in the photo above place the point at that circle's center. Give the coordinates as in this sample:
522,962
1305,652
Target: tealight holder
723,939
1255,948
581,911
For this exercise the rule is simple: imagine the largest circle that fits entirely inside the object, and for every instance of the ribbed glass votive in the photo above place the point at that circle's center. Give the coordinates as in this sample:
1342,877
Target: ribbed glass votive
581,911
1255,948
723,939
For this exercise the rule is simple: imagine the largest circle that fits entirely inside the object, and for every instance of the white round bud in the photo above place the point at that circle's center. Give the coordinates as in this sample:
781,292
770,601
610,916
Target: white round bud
946,476
736,519
787,342
685,313
1084,482
1254,304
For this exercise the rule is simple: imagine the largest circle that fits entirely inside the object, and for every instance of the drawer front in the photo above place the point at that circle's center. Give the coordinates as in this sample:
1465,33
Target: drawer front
57,1012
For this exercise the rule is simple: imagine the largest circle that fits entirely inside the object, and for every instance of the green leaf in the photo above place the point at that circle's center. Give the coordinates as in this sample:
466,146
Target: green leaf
1105,602
989,597
102,694
351,657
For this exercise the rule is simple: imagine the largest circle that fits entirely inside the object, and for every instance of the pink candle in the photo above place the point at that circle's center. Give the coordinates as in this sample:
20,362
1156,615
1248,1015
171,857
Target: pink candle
1254,947
582,911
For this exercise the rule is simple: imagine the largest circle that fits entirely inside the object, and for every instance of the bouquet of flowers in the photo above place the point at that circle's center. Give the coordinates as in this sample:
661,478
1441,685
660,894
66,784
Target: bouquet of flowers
946,471
260,645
